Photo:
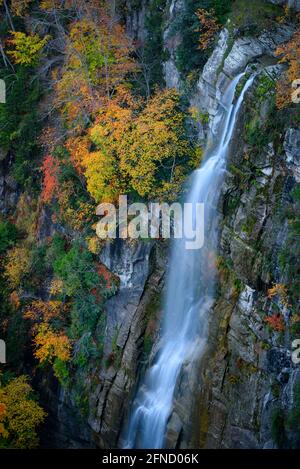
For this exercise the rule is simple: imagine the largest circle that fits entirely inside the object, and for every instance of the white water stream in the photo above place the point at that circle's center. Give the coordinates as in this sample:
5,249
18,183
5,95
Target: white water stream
190,290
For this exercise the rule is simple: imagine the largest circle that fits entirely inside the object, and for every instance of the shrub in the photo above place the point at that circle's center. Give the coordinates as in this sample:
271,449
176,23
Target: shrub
8,235
19,122
20,415
18,262
61,371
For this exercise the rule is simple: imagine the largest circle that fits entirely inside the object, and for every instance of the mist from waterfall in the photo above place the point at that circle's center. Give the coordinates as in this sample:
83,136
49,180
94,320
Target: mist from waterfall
190,289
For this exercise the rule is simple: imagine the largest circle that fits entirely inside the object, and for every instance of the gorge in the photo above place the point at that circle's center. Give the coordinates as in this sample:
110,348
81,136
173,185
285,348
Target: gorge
169,347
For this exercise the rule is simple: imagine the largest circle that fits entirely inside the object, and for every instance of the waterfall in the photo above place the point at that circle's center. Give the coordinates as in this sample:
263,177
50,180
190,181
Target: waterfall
190,289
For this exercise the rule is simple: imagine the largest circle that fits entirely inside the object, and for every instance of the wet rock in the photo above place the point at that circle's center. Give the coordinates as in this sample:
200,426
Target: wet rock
278,360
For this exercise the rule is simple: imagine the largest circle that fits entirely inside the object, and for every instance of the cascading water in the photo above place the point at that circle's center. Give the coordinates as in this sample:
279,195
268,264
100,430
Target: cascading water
190,290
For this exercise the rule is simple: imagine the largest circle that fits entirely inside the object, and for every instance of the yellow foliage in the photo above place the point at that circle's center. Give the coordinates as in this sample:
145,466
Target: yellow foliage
289,53
19,7
50,345
45,310
17,265
27,216
279,290
27,48
20,415
56,287
98,59
156,154
94,245
147,151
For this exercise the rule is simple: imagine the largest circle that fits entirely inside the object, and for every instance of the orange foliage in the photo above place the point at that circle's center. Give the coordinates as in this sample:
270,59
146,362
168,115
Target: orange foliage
105,274
45,310
78,148
98,59
276,322
208,27
14,300
279,290
50,169
289,53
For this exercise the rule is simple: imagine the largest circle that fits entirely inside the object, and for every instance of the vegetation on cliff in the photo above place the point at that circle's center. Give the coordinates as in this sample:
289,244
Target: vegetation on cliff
87,118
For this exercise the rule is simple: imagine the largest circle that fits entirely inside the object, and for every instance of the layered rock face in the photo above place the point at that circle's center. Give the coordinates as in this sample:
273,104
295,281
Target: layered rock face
248,375
132,318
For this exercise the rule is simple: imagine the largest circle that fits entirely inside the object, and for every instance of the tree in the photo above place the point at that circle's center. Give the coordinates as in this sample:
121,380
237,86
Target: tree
20,7
102,170
45,311
146,152
98,60
289,53
27,48
208,27
156,155
20,415
50,169
17,265
50,345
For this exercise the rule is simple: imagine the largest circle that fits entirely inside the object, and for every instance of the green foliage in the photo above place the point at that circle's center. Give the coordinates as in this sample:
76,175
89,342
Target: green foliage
277,427
8,235
19,122
26,48
56,250
86,311
16,336
86,349
76,269
81,283
61,371
151,54
266,85
188,55
252,17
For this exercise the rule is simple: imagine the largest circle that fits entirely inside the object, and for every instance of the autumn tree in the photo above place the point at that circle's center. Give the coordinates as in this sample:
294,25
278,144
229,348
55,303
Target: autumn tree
20,415
156,155
17,265
289,53
50,170
26,48
102,169
208,27
98,60
20,7
45,311
50,344
145,151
